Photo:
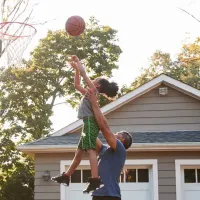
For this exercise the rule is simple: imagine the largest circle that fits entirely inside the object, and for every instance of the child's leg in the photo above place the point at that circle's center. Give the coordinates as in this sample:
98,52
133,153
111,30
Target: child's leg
93,162
94,182
75,163
65,177
91,131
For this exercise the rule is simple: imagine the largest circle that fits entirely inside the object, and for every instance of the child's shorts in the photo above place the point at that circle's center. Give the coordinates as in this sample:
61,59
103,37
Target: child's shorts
89,134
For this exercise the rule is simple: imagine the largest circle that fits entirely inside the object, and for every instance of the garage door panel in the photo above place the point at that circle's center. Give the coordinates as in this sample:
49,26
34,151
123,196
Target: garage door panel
192,195
135,186
140,195
78,195
191,187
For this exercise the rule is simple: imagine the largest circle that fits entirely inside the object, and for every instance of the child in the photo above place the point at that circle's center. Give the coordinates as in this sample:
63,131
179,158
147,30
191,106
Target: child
90,129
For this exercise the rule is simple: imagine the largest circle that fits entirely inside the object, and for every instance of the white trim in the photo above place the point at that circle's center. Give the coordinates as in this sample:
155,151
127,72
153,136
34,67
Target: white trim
134,147
182,86
152,162
132,95
73,126
178,164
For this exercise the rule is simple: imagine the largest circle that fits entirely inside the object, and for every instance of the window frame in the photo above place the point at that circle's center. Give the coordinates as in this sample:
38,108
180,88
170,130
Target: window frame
196,174
135,167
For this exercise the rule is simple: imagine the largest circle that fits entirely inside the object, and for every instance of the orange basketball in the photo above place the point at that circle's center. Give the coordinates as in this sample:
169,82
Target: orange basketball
75,25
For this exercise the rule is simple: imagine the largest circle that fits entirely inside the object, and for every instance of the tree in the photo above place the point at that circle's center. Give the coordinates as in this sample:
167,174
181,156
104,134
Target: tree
18,184
28,94
186,68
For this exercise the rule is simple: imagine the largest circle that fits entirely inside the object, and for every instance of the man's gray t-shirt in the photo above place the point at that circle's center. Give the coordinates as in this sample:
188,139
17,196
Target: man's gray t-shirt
110,167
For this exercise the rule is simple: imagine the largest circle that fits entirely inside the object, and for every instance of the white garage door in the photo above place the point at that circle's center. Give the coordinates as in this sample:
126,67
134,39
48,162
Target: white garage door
134,182
190,183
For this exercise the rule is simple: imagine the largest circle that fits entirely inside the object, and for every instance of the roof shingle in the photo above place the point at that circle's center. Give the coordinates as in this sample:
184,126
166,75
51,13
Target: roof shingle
138,137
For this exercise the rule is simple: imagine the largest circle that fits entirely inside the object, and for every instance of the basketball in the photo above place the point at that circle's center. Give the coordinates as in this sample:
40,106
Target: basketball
75,25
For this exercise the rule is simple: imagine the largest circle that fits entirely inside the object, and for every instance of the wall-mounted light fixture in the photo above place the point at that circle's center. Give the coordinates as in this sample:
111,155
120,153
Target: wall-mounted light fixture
46,176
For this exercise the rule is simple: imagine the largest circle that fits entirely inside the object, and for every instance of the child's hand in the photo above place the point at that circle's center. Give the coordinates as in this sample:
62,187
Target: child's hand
75,58
74,65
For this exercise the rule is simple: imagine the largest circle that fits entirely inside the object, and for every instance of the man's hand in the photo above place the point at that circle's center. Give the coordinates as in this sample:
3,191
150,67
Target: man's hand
91,95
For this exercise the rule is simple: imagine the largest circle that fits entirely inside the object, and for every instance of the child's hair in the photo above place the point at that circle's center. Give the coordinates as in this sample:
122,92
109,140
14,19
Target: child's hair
110,89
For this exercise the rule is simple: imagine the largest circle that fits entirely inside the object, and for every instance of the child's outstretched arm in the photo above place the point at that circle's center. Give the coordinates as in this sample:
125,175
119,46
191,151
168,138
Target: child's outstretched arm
77,84
83,73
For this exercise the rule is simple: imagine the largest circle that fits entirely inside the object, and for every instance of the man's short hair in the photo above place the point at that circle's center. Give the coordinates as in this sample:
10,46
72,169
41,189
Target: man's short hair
127,139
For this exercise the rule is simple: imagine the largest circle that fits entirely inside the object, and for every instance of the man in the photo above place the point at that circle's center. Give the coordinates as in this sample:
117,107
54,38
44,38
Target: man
112,158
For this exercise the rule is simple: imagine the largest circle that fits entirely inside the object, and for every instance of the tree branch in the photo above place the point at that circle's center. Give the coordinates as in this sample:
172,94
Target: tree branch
190,14
15,9
53,100
55,92
189,59
41,23
2,8
59,103
21,11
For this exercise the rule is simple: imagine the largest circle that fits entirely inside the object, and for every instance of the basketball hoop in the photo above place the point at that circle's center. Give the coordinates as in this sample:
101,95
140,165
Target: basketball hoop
15,37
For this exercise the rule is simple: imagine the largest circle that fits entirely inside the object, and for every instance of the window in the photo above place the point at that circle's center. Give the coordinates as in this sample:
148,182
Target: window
121,177
143,175
76,177
198,175
131,175
80,176
192,175
86,175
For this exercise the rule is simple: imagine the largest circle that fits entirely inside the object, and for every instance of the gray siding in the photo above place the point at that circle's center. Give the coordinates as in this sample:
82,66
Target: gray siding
48,190
152,112
166,172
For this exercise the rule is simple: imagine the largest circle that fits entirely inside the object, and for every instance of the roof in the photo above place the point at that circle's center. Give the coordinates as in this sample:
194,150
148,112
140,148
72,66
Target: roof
175,138
133,95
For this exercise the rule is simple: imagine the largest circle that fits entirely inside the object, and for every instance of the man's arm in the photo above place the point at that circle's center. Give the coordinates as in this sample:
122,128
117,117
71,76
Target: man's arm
101,121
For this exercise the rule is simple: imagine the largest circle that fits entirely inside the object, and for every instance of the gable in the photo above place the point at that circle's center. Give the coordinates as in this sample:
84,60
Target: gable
152,112
144,89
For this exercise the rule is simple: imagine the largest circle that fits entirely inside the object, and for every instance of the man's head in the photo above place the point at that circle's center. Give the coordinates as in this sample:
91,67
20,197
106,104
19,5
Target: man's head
125,138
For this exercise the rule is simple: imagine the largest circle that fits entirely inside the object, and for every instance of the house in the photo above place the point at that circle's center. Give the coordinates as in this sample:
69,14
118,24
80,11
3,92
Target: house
163,162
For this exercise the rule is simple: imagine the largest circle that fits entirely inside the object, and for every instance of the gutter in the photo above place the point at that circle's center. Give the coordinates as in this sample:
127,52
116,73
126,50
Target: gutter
189,146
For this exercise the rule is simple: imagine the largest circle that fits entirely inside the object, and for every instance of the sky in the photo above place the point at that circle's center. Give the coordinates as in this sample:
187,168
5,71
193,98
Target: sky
143,26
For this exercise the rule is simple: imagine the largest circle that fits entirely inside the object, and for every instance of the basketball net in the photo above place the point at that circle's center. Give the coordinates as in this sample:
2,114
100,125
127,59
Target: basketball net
15,37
